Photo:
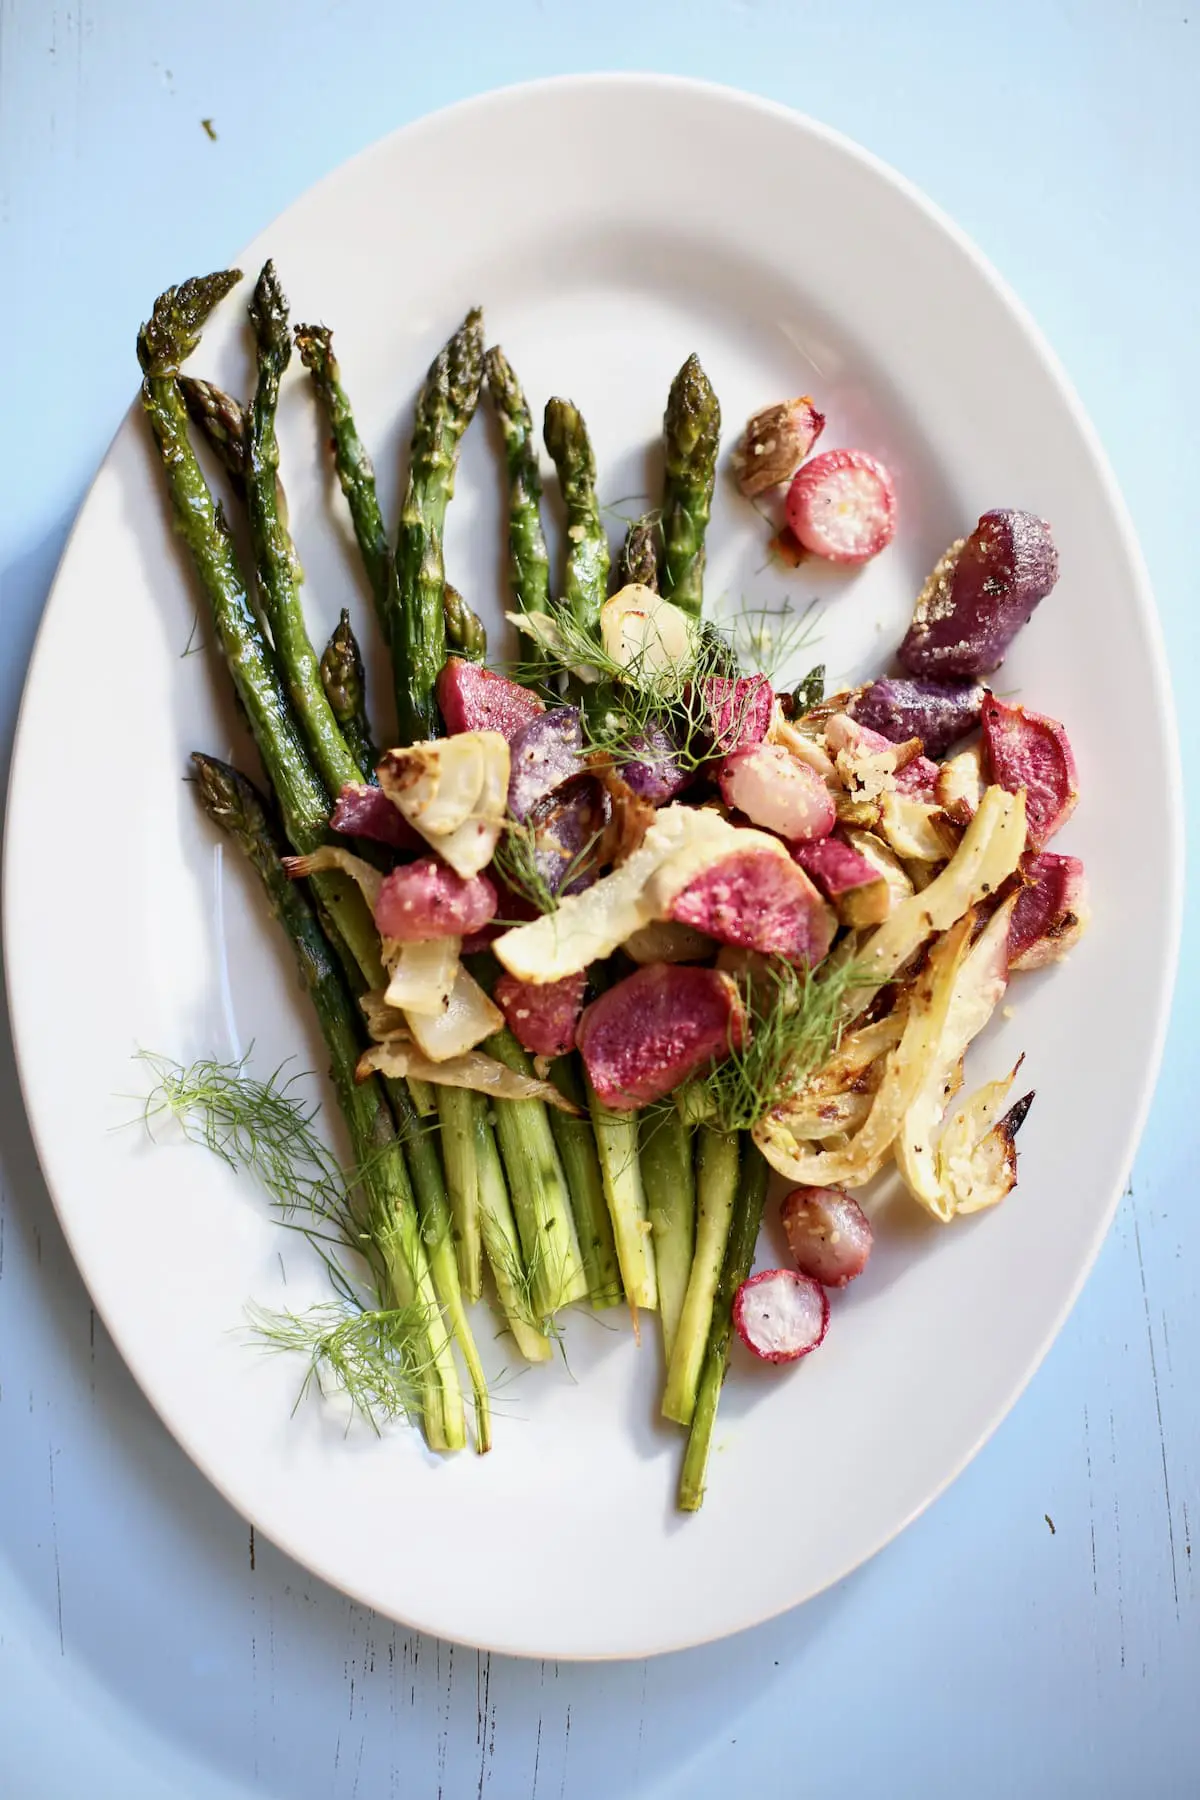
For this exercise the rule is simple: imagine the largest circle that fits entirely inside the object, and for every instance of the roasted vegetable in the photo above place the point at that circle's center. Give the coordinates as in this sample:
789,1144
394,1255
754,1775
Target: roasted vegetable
643,1038
776,790
774,444
858,888
426,899
528,562
645,635
741,1237
454,792
938,712
691,435
363,810
638,561
780,1315
736,711
1051,914
978,597
760,901
585,577
416,622
656,771
542,1019
977,989
1025,750
828,1234
546,751
471,698
842,506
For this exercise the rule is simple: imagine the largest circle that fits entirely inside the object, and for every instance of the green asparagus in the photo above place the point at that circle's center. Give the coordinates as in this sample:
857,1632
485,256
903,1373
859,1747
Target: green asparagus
585,581
279,569
354,468
392,1229
669,1180
344,681
416,623
222,421
716,1188
502,1243
638,559
528,561
465,633
691,434
577,1148
739,1256
617,1147
170,335
459,1154
539,1191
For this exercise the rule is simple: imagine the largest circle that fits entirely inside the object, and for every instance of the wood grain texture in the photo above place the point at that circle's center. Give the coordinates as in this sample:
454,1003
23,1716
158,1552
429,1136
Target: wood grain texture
1038,1631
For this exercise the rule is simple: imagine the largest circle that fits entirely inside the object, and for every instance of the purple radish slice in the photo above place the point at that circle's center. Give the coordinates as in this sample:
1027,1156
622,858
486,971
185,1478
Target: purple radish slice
543,754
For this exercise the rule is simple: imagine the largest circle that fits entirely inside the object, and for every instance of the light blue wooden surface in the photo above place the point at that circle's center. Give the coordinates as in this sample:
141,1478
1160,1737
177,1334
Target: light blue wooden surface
1037,1633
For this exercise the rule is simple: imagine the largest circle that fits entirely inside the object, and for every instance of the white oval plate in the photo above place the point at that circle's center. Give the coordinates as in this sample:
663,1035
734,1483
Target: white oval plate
609,226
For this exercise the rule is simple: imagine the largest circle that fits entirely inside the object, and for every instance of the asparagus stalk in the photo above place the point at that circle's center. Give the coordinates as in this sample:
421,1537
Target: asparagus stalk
638,559
528,561
279,569
170,335
739,1256
354,468
581,1164
691,434
459,1154
222,421
617,1146
539,1191
465,633
501,1242
716,1188
344,681
416,624
393,1233
585,582
669,1180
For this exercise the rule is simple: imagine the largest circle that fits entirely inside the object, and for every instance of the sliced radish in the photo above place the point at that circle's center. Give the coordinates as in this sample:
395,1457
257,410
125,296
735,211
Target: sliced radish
780,1316
842,505
776,790
828,1233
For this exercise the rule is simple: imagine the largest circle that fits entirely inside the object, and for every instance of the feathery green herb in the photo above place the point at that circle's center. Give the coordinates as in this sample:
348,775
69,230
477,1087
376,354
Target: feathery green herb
798,1017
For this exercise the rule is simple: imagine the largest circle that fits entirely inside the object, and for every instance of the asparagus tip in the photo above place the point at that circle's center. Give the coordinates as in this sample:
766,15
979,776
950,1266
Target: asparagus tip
173,329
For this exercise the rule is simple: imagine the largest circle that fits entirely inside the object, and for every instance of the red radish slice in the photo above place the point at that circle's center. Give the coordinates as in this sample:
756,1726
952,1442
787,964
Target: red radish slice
542,1019
737,711
1052,912
473,698
842,505
760,902
364,811
780,1316
643,1038
426,899
1027,750
828,1233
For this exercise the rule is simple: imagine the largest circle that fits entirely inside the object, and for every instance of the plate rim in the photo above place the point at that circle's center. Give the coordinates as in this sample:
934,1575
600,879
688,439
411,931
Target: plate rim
1142,596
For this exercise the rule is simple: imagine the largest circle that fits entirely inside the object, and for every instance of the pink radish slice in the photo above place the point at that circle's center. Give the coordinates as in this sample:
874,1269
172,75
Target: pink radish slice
842,505
777,791
780,1316
828,1233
